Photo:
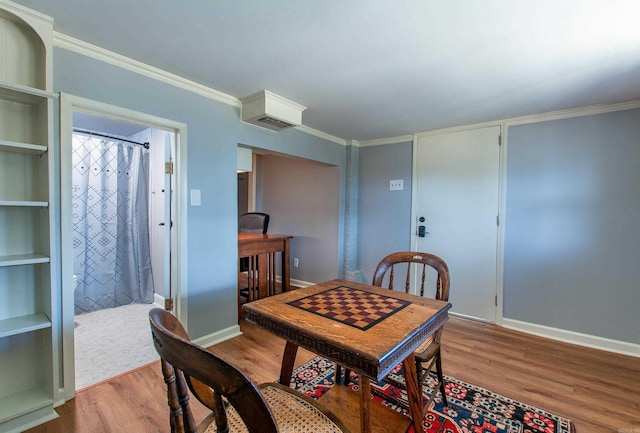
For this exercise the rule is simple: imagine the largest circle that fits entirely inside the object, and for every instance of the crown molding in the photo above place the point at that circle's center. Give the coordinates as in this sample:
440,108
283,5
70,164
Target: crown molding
537,118
390,140
15,7
573,112
321,134
67,42
459,128
86,49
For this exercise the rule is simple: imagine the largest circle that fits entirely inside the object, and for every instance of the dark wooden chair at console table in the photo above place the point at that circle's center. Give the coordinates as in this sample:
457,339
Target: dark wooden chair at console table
251,222
261,279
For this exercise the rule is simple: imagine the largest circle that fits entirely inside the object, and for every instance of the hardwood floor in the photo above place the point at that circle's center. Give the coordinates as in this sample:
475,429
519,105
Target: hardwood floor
599,391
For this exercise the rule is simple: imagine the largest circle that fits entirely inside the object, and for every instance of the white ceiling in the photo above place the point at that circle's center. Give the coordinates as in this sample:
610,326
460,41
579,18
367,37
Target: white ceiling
370,69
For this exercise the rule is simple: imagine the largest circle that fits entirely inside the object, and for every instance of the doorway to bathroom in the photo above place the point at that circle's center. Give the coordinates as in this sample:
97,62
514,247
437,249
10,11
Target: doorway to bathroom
118,193
118,199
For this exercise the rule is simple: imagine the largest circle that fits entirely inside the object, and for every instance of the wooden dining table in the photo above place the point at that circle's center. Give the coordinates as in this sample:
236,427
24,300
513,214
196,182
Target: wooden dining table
367,329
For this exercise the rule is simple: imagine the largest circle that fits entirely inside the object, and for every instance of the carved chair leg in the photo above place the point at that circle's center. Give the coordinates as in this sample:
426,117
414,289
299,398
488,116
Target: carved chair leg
222,423
175,409
441,378
347,376
337,379
183,399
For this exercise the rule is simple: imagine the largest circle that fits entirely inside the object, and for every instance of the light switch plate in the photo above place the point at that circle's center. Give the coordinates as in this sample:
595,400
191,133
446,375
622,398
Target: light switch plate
396,185
195,197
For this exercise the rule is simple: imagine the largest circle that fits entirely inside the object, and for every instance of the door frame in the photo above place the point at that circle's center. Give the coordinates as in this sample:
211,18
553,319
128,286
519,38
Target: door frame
501,202
178,284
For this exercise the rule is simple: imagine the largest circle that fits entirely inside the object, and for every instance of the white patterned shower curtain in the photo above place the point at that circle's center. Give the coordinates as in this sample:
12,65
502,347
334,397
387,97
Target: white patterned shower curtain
112,258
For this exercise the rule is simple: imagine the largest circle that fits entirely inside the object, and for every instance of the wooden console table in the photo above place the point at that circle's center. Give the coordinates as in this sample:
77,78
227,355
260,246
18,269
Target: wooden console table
261,251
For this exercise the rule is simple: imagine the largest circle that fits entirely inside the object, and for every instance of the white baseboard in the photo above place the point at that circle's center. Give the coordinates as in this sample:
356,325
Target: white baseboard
300,283
219,336
157,299
211,339
295,283
465,316
232,331
572,337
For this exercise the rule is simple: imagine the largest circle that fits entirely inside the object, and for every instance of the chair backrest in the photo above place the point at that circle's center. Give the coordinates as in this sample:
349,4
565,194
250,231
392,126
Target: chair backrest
253,222
209,378
394,262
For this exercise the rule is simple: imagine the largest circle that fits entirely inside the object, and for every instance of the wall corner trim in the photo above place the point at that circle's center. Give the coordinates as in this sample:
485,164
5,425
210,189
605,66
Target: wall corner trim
592,341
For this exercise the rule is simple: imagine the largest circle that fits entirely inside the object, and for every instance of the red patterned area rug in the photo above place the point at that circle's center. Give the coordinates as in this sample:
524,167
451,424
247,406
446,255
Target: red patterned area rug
471,409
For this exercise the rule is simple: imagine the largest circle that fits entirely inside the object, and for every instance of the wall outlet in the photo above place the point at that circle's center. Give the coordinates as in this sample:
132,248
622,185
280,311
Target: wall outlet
396,185
296,262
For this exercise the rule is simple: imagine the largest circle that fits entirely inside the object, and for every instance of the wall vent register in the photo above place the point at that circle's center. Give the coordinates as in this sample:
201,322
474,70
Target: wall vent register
270,111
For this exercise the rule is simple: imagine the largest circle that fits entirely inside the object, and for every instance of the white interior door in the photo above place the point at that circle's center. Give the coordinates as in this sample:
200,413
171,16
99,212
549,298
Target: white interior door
161,206
457,194
168,196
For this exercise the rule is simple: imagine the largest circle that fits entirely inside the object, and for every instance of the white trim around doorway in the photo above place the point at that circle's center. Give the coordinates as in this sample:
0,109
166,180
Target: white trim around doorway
69,104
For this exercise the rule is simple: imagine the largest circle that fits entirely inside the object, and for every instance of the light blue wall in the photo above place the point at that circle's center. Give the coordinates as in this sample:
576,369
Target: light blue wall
384,217
572,241
575,181
572,234
214,131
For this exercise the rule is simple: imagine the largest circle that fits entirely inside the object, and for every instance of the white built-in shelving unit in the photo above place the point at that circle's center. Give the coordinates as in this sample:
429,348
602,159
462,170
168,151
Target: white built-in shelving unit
29,286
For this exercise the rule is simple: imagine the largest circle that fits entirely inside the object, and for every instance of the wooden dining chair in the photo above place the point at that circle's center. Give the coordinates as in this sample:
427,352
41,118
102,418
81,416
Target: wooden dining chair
428,354
397,269
253,222
237,404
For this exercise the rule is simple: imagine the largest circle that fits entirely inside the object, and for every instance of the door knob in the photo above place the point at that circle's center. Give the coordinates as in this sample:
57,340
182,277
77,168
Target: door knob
422,229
